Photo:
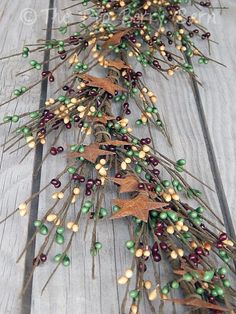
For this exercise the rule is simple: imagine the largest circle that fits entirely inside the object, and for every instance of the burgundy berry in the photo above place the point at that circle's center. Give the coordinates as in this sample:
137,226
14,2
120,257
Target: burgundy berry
157,257
53,151
60,149
163,246
223,236
43,258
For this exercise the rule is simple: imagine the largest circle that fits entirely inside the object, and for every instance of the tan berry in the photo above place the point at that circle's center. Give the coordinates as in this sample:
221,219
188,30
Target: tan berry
147,284
129,273
122,280
152,295
139,253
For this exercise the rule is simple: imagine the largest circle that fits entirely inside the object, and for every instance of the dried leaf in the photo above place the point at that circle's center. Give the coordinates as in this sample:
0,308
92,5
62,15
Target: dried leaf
104,83
197,302
127,184
91,153
118,64
116,143
115,39
138,207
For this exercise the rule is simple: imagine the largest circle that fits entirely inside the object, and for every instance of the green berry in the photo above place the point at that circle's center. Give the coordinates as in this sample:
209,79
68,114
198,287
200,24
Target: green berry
59,238
193,214
57,258
33,63
173,216
154,213
165,290
81,149
181,162
200,291
219,290
222,271
88,204
175,284
34,114
166,183
61,98
38,66
26,130
85,210
60,230
66,261
187,277
200,209
214,293
23,89
175,183
158,188
17,92
37,223
134,294
226,283
163,215
132,250
26,49
130,244
208,275
222,253
138,169
98,245
115,208
71,170
187,235
43,230
226,258
179,169
15,118
7,119
103,212
74,148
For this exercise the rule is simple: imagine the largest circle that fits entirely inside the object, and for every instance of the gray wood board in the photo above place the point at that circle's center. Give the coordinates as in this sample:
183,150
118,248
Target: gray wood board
72,288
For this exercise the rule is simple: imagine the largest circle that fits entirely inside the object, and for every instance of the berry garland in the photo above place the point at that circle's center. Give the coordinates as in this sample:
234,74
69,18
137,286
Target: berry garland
163,226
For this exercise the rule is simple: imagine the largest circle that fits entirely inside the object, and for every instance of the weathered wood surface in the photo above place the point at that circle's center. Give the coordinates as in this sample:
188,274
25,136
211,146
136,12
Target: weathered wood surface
201,128
15,182
218,99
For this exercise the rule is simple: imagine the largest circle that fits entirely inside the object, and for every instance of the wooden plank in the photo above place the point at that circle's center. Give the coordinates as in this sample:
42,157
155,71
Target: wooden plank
15,180
62,295
218,100
177,105
74,287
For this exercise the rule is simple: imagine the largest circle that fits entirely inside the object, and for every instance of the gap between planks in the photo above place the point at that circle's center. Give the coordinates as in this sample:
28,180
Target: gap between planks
212,160
30,253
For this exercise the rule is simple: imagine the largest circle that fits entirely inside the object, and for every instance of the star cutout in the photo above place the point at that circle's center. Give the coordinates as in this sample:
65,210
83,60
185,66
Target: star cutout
115,39
92,152
117,63
138,207
104,119
127,184
105,83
